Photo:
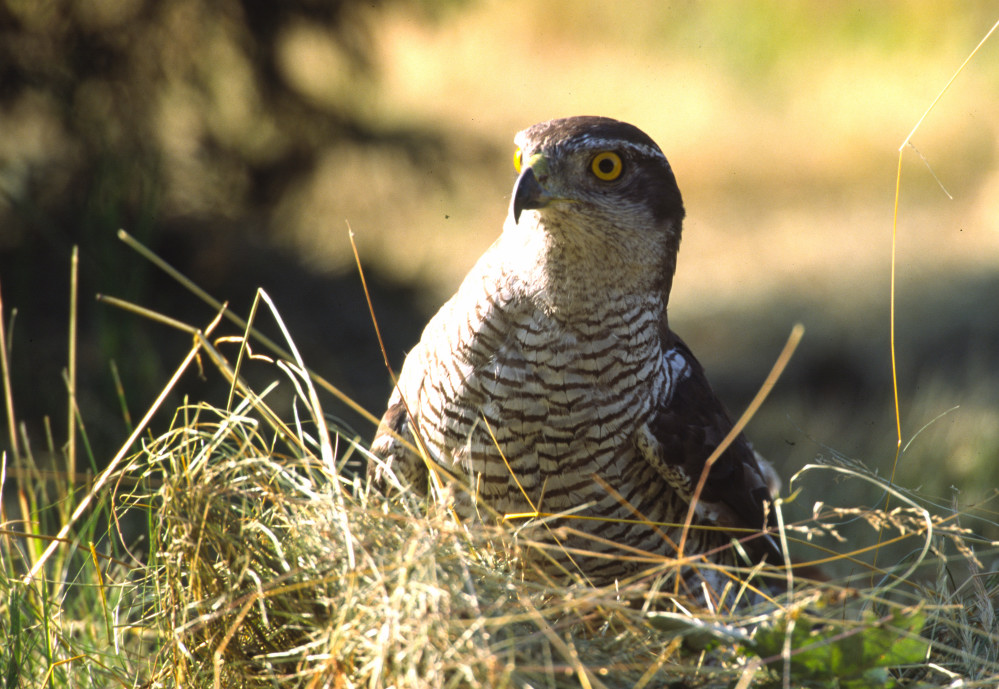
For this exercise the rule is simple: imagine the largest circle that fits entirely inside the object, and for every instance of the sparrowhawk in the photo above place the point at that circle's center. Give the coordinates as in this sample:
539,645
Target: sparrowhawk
552,383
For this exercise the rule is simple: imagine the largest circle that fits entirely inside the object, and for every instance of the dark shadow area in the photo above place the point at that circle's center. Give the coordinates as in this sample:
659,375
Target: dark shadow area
186,124
327,316
834,401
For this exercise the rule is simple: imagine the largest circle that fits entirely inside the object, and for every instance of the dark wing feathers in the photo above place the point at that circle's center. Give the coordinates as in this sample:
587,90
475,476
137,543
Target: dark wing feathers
689,428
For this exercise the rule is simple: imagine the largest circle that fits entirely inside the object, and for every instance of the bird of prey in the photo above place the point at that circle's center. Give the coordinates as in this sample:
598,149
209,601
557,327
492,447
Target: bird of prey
551,383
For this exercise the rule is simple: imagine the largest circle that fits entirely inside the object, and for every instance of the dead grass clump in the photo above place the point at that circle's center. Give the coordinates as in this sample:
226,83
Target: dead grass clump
268,568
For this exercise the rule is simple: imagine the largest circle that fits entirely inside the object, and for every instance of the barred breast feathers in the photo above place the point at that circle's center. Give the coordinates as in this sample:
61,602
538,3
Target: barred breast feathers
497,354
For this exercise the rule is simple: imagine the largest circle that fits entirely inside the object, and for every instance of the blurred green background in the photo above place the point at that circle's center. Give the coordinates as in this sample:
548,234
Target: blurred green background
239,137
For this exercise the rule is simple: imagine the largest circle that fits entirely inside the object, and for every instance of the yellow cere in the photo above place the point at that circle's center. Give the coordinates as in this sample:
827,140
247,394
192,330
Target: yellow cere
518,160
606,166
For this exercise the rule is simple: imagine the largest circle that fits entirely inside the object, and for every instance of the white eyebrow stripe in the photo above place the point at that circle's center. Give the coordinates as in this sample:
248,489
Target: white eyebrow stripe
589,141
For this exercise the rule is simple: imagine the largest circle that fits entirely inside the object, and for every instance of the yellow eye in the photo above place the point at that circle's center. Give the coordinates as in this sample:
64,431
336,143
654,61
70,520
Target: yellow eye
606,166
518,160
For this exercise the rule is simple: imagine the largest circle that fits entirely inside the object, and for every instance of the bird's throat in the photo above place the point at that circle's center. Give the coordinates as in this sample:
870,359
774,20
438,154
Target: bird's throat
569,270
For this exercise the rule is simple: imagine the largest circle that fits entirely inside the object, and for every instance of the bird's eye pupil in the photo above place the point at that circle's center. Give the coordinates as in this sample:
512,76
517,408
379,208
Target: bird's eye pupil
606,166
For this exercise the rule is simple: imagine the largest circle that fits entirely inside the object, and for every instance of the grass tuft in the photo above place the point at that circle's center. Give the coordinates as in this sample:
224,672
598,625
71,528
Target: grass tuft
235,549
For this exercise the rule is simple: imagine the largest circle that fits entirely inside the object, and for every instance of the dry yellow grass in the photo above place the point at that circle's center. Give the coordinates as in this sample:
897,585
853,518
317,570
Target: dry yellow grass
269,561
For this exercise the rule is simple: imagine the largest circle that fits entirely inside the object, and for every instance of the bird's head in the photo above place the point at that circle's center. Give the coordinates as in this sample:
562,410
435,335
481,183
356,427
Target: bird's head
599,190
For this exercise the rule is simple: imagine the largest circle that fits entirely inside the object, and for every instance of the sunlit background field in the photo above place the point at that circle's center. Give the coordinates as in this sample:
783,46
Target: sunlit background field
240,140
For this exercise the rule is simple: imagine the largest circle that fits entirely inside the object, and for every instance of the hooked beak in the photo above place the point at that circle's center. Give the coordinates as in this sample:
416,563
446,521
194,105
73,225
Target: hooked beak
528,193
